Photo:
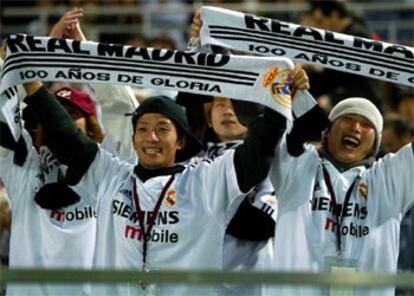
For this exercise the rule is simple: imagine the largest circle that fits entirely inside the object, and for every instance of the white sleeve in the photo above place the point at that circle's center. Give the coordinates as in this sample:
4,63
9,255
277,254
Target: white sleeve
391,178
115,101
6,169
17,178
217,182
104,176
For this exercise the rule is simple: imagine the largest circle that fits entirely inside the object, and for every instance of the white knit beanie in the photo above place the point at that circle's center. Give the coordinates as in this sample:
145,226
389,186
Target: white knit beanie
363,107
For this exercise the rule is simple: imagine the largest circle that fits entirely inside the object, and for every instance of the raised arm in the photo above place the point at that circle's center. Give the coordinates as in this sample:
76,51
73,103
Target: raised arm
64,139
68,26
252,159
115,100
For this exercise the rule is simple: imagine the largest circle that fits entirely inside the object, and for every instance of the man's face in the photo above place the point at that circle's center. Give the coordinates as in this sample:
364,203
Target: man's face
156,141
351,139
224,121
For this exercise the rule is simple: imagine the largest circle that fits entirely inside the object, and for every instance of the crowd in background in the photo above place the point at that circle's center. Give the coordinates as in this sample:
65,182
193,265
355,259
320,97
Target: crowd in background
328,86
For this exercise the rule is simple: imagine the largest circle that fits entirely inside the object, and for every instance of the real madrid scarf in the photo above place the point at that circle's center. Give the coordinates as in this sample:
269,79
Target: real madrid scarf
267,37
258,79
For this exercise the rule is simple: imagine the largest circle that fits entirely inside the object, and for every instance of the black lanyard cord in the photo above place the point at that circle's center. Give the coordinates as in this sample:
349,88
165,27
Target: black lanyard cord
338,213
152,221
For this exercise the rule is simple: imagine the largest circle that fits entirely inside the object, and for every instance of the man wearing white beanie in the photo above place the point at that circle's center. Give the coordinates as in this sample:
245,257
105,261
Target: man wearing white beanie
363,108
339,209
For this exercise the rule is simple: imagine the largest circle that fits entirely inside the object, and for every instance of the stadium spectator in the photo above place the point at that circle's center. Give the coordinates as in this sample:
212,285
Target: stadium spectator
59,237
397,133
247,245
114,101
189,229
61,231
337,207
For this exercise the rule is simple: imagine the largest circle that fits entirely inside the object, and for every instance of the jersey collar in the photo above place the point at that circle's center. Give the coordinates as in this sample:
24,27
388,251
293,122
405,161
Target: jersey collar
342,167
145,174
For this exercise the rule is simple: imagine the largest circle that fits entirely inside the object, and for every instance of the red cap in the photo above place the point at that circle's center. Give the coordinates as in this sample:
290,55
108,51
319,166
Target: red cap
80,99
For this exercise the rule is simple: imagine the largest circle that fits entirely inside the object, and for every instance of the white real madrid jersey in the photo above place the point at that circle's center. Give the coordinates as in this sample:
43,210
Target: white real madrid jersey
189,229
306,225
45,238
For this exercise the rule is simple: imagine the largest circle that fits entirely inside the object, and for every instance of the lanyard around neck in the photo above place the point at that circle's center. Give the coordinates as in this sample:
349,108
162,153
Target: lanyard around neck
153,216
338,212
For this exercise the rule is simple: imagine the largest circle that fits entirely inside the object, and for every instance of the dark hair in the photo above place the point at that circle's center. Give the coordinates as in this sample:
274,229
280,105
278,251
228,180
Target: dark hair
168,43
180,131
329,6
400,125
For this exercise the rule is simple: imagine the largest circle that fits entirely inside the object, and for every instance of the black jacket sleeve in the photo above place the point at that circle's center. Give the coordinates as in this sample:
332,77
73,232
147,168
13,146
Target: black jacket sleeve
70,146
306,128
252,159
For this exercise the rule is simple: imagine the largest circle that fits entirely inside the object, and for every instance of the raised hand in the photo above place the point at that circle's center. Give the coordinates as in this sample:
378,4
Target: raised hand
298,79
195,28
196,25
68,26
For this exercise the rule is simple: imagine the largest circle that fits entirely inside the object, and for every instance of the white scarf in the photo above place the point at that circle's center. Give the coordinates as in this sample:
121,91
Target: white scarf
262,36
10,110
257,79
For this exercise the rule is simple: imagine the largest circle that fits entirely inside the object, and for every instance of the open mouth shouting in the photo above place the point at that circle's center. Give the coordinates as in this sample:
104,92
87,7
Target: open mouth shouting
350,142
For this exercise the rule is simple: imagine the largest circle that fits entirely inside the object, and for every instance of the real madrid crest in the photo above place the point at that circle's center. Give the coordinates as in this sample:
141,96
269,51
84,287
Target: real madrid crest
363,190
277,82
170,199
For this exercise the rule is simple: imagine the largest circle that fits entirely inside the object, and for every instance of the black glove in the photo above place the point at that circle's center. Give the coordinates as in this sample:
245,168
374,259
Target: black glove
306,128
247,112
250,223
19,147
55,196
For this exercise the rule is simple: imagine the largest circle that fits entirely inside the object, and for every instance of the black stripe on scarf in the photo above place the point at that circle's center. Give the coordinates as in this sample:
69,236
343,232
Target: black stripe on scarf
128,61
316,44
308,49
